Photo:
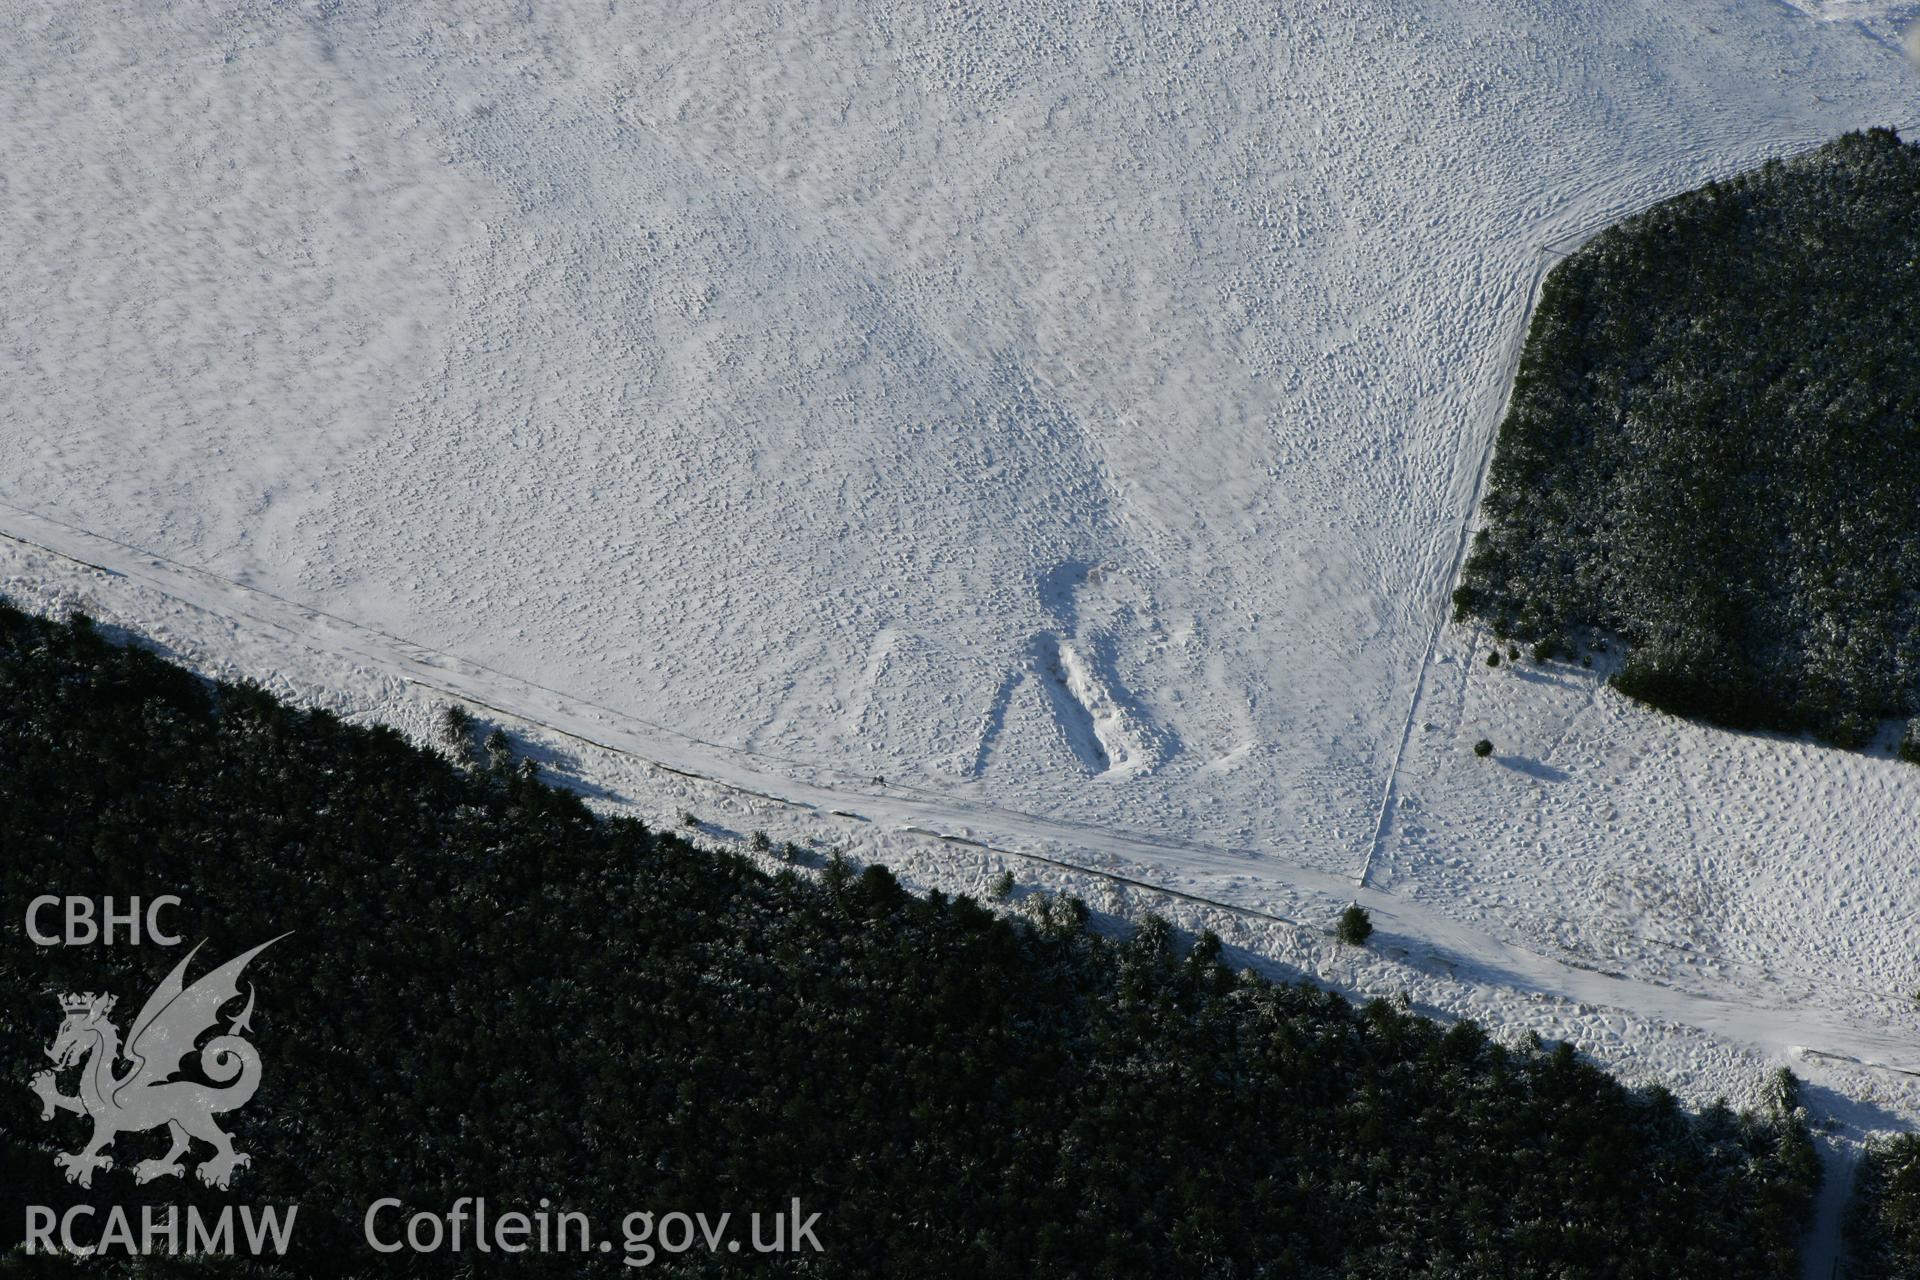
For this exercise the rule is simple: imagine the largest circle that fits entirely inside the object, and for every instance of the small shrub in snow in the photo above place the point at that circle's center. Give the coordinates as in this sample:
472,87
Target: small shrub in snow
455,731
1483,748
1355,926
1783,1092
499,750
1206,949
837,874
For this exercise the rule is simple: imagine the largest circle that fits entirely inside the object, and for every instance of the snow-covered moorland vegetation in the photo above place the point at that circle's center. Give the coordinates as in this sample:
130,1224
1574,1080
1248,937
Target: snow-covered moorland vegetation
1072,407
1713,448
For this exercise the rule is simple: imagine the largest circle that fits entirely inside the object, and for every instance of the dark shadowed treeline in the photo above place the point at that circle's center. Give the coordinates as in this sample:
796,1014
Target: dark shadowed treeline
1713,449
1883,1228
493,992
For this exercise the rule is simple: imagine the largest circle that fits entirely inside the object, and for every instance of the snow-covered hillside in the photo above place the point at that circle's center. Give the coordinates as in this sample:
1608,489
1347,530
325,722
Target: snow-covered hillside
1056,408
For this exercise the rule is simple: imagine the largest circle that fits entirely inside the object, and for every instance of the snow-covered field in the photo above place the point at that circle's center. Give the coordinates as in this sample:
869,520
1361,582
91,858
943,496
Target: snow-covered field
1067,412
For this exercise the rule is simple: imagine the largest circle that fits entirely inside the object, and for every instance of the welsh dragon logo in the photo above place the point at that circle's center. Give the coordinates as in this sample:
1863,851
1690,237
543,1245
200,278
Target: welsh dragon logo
144,1094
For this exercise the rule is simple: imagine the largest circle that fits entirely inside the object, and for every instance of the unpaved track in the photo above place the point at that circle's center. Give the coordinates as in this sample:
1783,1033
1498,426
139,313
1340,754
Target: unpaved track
1429,937
1423,936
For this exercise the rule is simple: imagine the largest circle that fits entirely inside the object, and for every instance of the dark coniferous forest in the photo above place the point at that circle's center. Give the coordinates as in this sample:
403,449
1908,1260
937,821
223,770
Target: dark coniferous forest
493,992
1883,1229
1713,450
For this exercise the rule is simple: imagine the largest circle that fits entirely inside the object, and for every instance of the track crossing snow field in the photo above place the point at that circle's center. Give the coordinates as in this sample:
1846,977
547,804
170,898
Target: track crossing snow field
1424,931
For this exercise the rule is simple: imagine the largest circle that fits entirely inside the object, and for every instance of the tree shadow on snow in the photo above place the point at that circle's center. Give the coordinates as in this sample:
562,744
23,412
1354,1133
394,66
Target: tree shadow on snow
1537,769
